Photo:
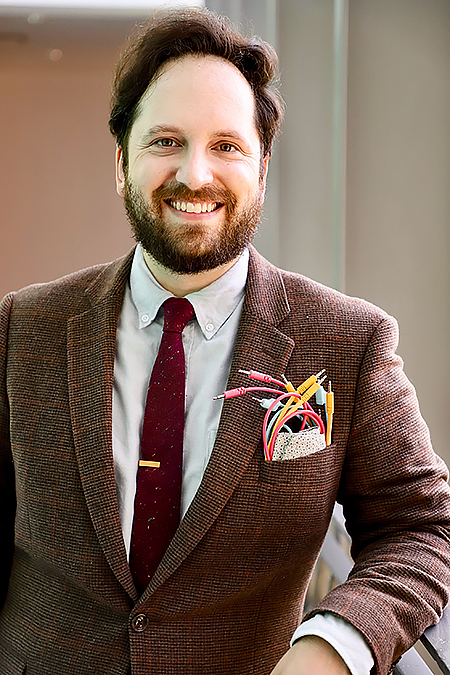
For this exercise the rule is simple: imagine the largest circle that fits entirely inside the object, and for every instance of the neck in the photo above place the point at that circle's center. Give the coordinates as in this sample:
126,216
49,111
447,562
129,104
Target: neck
183,284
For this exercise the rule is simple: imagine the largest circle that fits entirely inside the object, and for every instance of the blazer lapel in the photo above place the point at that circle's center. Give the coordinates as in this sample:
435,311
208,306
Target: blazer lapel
259,346
91,346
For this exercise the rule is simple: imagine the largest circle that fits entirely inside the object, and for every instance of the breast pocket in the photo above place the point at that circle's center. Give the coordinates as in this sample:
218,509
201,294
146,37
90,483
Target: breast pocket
313,471
300,444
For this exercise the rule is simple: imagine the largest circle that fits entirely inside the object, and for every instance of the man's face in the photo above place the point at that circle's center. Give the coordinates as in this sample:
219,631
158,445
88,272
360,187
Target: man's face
194,184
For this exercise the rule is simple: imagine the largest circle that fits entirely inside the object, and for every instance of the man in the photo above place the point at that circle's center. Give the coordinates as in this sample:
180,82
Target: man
87,587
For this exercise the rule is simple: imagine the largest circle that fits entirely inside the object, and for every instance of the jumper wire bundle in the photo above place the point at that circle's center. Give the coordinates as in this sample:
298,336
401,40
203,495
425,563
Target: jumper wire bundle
290,403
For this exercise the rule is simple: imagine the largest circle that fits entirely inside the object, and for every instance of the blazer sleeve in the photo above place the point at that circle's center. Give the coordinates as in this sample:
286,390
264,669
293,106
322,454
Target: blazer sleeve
7,488
397,508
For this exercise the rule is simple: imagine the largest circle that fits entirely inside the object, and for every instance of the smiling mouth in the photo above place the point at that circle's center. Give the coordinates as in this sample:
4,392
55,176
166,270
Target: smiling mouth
194,207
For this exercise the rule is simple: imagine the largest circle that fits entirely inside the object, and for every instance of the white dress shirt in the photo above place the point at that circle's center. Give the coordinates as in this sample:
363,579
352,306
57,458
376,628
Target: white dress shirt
208,343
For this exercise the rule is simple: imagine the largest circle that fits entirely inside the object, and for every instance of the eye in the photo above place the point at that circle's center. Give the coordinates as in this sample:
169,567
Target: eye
226,147
165,143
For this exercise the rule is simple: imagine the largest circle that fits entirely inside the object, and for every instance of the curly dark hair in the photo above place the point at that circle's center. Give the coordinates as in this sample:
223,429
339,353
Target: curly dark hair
171,34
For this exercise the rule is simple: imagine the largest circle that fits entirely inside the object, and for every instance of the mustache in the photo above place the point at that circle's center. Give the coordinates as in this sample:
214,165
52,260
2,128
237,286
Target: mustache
209,193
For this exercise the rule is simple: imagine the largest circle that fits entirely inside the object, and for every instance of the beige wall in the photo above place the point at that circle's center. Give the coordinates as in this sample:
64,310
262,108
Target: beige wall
398,198
306,60
58,208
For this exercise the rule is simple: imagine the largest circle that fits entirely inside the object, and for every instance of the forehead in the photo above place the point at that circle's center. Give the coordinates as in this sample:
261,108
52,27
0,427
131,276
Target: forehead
198,92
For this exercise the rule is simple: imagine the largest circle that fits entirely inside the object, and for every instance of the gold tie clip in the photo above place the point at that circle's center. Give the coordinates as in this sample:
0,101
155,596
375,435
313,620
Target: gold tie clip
147,463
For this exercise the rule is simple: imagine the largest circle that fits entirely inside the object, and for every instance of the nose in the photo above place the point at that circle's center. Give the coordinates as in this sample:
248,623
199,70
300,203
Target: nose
194,170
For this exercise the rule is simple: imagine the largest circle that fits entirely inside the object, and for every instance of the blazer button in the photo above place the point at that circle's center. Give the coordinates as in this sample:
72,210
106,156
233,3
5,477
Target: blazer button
139,623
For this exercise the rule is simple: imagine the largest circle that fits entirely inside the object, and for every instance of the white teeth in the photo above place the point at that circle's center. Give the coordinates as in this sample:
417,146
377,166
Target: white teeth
198,207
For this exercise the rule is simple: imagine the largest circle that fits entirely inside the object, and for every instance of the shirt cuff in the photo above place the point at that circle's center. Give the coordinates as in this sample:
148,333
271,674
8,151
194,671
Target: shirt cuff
346,640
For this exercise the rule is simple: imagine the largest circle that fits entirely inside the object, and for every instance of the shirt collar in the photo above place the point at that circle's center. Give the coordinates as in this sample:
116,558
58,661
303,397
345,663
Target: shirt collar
213,304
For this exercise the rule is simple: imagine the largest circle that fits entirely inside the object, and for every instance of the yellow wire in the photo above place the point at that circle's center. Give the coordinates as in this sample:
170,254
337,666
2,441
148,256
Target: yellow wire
289,408
281,414
329,411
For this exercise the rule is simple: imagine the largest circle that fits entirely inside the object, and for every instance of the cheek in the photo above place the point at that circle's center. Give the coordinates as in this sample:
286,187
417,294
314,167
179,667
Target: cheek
149,173
243,180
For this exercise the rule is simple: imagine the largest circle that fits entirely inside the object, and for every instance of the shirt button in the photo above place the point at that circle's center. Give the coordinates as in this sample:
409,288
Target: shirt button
209,327
145,317
139,623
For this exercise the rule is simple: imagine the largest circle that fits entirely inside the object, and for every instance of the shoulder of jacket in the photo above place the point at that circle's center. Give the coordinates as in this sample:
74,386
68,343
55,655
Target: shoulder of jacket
72,290
74,283
326,305
301,289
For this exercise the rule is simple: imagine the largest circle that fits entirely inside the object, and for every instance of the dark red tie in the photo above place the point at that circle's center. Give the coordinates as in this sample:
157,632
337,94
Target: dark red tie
158,493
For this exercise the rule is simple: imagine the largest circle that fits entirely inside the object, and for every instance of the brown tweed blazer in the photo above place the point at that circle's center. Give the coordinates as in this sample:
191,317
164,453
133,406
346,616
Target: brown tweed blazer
229,591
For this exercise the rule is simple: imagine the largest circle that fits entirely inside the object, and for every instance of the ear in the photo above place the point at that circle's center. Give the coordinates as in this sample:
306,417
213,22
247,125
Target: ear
263,177
120,175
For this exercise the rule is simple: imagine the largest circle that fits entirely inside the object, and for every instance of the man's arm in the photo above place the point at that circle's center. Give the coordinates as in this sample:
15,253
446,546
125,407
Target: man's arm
7,489
397,508
311,655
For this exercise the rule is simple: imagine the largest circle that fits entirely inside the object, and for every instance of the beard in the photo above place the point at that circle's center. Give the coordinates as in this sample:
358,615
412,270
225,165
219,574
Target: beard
190,247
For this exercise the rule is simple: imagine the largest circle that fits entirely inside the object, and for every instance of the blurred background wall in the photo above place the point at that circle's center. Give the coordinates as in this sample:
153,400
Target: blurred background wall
358,194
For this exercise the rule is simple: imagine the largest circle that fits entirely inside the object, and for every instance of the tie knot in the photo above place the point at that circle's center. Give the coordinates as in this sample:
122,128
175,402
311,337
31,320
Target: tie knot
177,312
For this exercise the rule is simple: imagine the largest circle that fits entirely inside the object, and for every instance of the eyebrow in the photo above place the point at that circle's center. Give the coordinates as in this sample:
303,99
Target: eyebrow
159,129
231,133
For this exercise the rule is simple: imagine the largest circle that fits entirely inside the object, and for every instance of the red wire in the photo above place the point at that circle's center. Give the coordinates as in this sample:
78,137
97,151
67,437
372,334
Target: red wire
307,411
243,390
